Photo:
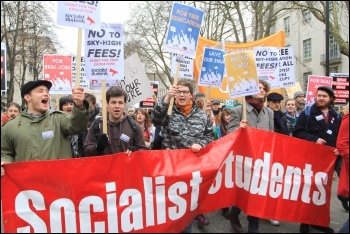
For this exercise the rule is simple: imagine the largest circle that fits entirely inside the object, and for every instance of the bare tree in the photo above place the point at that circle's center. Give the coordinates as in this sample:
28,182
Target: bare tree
338,19
223,20
27,30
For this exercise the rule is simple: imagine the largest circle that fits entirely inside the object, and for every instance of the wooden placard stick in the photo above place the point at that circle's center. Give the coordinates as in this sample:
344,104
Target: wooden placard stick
78,62
104,107
58,101
171,103
244,109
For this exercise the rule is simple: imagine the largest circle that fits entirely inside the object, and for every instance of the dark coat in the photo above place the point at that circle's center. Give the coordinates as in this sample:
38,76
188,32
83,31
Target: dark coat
280,123
309,128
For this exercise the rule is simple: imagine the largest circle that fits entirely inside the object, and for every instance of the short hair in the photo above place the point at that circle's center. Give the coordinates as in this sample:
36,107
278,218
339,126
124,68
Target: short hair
266,85
64,100
188,83
15,104
116,91
90,97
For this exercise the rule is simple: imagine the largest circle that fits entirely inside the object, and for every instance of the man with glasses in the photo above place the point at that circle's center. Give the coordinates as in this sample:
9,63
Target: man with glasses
188,126
299,98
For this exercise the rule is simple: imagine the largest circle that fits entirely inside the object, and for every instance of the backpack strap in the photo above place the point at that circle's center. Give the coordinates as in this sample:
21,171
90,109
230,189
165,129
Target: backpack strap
97,126
133,125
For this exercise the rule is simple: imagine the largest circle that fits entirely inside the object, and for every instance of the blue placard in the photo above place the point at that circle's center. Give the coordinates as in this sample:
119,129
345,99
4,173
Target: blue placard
213,68
183,31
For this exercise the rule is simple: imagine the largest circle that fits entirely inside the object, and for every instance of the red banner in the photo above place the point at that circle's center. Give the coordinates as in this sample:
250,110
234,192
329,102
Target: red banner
263,173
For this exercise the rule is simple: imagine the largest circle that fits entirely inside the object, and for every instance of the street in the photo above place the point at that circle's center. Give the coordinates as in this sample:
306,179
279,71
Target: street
218,224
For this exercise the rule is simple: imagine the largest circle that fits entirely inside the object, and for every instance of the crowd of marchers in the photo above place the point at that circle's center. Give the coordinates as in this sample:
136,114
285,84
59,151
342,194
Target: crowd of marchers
75,129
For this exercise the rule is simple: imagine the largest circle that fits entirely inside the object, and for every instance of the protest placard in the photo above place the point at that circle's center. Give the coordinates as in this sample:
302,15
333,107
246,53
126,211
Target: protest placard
80,14
104,52
58,70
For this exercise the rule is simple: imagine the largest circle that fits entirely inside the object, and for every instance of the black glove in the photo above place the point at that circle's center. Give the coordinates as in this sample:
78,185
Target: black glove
102,142
133,148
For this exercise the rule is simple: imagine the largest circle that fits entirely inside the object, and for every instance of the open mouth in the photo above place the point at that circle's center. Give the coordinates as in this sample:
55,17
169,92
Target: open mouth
45,101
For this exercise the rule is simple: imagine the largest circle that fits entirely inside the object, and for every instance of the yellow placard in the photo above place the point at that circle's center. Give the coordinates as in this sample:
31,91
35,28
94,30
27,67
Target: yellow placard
241,74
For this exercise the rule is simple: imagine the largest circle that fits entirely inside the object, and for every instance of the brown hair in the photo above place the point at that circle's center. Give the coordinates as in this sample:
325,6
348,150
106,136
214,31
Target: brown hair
188,83
148,122
266,85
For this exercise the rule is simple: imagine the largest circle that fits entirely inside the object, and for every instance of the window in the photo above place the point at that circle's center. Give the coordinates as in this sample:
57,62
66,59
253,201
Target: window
307,49
333,70
333,47
306,78
306,16
287,26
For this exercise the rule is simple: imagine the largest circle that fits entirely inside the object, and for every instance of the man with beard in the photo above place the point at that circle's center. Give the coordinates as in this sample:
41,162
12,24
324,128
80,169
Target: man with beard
299,98
319,125
187,127
258,116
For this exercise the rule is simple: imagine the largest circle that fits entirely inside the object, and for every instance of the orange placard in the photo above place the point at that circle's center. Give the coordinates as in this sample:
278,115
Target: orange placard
276,40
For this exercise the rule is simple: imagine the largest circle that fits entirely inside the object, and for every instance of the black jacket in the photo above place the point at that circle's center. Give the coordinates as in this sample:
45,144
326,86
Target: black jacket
280,123
313,127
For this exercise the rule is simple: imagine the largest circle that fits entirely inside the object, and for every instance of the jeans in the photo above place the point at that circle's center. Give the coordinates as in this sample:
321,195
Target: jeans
253,222
345,227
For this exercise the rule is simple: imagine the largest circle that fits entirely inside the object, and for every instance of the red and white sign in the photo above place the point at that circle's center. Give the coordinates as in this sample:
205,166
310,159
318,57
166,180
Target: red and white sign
58,70
79,14
341,87
163,190
314,82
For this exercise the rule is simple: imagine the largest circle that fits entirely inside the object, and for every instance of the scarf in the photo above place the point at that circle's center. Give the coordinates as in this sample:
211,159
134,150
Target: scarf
290,118
258,106
185,110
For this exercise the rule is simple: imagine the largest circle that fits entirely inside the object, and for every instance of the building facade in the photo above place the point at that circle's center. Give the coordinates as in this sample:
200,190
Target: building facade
307,36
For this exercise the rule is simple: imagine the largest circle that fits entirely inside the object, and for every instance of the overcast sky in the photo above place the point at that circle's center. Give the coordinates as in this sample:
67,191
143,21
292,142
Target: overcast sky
111,12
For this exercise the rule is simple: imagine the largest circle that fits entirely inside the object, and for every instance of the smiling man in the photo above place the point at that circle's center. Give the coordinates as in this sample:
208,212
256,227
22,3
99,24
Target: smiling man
187,127
38,134
123,134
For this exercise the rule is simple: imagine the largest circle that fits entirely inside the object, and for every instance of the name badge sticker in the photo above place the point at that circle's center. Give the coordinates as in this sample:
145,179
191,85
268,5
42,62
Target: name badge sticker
319,117
329,132
124,138
47,135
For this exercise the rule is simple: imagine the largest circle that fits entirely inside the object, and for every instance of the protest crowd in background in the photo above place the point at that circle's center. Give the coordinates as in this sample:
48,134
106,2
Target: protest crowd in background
184,120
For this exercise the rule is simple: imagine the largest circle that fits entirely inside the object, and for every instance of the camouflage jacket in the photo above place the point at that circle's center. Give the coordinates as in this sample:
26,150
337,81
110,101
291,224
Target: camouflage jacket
179,131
